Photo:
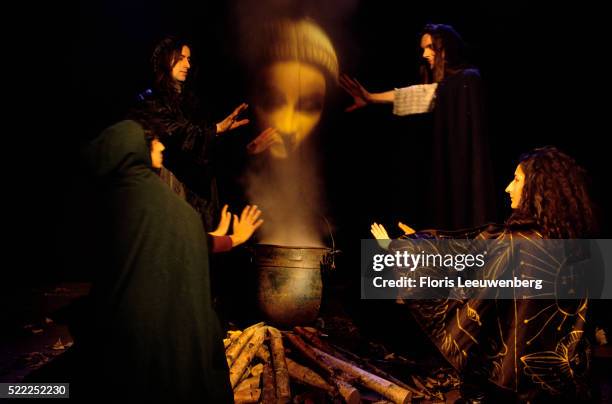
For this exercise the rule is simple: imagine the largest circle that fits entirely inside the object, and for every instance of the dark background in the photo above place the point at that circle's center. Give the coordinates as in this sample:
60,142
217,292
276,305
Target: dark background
77,67
542,64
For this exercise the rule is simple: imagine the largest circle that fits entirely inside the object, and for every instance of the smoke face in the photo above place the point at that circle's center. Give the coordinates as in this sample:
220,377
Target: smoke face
292,63
289,98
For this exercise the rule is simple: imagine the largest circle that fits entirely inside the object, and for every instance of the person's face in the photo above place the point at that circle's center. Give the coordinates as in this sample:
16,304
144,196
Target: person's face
157,157
515,188
182,65
429,53
291,101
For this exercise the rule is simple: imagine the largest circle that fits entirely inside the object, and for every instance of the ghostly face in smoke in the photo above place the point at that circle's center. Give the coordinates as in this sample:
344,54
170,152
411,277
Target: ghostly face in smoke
290,100
295,63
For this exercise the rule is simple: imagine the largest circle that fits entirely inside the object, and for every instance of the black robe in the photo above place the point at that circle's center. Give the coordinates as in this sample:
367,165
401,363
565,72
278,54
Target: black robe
154,336
190,147
461,187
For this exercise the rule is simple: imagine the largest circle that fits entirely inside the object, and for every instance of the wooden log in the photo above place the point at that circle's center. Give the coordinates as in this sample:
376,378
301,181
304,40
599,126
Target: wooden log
281,374
247,396
308,352
245,375
309,377
383,387
423,390
247,354
257,369
235,348
249,383
269,387
349,393
363,363
336,377
313,339
263,354
232,336
312,336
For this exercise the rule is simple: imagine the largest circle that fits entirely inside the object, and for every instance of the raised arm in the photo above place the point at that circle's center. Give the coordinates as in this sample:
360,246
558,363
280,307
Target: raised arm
361,96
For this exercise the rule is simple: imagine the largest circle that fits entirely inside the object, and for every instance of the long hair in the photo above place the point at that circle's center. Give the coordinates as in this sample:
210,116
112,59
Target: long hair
166,54
555,195
450,52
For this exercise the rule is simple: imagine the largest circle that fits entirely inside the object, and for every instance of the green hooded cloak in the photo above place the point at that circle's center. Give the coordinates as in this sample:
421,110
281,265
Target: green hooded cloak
154,336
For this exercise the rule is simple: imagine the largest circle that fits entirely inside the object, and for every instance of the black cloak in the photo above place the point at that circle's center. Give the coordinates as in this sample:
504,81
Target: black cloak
190,147
463,195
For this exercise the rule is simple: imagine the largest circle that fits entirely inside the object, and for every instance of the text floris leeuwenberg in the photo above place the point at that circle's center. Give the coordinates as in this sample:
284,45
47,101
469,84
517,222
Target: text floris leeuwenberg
459,262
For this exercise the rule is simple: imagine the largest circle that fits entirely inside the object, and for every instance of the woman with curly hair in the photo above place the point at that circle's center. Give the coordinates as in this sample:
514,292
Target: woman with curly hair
523,345
550,190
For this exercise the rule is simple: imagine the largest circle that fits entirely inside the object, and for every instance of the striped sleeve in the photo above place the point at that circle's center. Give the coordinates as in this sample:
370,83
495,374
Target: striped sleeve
417,99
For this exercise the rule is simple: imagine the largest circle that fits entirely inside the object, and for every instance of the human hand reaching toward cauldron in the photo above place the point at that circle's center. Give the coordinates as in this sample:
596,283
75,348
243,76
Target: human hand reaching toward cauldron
380,234
405,228
245,226
224,222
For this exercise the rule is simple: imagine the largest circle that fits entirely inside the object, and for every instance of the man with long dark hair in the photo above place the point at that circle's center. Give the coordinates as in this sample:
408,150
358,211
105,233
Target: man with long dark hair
174,112
460,163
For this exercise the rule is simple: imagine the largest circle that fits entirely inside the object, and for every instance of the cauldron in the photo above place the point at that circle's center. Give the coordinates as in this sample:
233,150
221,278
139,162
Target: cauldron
289,286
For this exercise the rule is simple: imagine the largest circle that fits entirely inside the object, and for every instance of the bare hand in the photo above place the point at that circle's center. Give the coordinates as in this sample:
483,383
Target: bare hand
245,226
361,96
263,142
406,229
379,232
224,222
231,122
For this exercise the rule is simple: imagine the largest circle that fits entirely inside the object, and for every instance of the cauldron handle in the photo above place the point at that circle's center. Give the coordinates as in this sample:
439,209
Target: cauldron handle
331,234
329,259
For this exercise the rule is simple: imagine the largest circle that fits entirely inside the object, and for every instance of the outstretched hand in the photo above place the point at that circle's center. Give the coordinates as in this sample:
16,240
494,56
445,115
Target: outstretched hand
263,141
224,223
361,96
405,228
245,226
379,232
231,122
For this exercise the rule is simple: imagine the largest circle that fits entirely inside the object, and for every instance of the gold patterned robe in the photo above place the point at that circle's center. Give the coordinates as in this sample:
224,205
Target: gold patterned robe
534,348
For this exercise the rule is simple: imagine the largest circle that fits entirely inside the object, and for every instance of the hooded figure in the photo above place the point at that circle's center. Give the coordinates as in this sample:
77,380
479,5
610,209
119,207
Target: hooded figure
154,336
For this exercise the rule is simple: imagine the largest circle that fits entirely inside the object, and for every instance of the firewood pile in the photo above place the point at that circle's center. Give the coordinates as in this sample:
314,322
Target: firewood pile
300,366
